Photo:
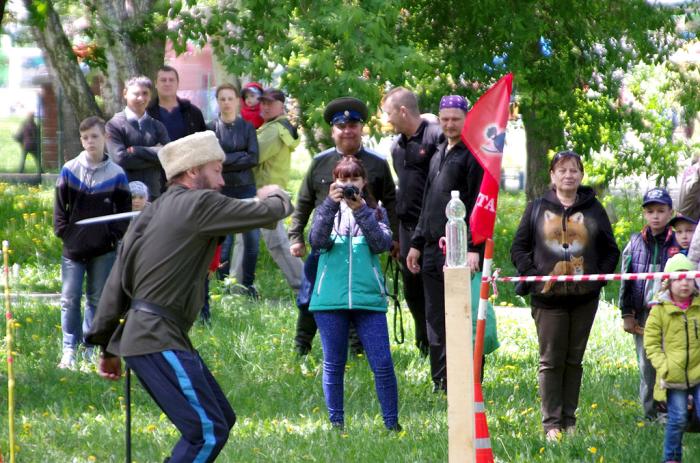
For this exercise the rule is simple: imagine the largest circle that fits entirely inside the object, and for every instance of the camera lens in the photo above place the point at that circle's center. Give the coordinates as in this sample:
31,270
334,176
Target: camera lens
350,191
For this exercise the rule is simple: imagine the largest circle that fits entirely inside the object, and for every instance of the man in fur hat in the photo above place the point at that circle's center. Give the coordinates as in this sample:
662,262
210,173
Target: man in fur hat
155,290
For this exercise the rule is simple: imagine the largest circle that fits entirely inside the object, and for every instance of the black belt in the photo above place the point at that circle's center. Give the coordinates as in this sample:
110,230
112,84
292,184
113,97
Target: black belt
155,309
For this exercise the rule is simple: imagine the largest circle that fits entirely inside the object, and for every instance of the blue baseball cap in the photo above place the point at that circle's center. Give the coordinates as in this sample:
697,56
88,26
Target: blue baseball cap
657,196
681,218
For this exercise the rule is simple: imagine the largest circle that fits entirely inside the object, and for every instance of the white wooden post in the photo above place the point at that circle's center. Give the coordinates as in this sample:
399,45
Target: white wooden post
460,358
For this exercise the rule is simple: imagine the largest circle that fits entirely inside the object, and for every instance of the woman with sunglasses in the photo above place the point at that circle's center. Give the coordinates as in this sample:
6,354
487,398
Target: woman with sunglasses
564,232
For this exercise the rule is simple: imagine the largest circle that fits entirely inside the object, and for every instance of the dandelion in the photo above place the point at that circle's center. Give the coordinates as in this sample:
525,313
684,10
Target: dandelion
593,450
541,450
640,424
151,428
594,406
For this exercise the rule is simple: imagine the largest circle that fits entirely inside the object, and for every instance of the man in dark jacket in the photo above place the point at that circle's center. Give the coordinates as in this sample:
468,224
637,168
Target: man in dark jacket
134,138
155,290
411,154
346,116
179,116
28,138
453,167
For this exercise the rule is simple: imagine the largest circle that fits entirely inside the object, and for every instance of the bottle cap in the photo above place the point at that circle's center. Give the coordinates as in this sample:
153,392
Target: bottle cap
455,194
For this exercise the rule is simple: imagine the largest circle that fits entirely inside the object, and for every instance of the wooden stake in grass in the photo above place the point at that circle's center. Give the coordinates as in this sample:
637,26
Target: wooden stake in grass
460,373
9,325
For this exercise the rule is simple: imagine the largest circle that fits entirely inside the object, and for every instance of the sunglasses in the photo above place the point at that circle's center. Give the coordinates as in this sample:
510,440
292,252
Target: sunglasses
565,155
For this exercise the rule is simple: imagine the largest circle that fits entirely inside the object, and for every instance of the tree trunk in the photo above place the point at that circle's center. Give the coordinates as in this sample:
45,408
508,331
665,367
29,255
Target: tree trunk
544,132
126,57
52,39
3,3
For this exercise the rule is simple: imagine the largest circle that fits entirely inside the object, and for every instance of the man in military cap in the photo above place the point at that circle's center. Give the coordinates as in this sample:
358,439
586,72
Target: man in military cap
346,116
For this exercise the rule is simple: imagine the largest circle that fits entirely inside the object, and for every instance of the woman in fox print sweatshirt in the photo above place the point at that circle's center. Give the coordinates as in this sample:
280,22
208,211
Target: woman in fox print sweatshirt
565,232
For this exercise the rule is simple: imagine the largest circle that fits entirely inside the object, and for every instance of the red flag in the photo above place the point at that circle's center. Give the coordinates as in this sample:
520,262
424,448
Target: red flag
484,133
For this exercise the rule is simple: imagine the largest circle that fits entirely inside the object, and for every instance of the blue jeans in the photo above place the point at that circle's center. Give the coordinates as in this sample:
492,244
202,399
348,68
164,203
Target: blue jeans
72,275
677,402
251,239
372,329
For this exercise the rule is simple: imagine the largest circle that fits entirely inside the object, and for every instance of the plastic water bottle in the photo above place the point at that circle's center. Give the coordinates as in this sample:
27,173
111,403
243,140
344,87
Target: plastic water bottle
456,232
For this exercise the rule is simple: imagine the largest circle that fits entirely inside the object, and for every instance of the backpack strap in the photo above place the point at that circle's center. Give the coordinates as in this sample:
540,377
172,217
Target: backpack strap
393,269
288,125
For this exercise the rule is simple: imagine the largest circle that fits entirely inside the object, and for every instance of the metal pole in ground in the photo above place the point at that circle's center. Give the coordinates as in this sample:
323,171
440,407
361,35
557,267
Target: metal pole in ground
127,396
9,323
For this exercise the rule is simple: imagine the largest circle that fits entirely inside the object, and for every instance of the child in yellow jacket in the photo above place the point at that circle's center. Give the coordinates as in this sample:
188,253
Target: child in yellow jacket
672,343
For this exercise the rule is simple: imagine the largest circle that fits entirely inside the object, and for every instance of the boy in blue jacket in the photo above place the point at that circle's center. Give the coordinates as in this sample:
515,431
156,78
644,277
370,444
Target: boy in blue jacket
90,185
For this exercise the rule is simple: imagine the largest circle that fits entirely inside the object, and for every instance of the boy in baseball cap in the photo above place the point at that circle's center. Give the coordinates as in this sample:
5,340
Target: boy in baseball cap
684,228
647,251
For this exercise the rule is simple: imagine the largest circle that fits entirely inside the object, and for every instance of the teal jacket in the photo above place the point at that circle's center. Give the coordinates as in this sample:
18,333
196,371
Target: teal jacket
349,274
349,277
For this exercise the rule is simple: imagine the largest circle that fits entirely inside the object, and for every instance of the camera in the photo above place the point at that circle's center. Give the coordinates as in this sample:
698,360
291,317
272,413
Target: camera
350,191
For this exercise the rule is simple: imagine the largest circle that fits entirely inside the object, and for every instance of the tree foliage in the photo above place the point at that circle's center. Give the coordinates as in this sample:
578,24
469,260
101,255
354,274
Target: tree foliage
556,49
568,58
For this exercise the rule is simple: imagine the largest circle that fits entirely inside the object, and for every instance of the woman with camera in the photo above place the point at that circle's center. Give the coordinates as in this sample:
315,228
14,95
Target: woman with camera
350,229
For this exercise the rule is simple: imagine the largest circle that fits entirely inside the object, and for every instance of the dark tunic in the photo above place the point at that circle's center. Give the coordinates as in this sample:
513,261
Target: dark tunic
164,259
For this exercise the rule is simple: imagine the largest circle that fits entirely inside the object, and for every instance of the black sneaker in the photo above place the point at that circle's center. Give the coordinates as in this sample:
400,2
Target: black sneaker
424,349
440,386
302,350
396,428
252,292
338,425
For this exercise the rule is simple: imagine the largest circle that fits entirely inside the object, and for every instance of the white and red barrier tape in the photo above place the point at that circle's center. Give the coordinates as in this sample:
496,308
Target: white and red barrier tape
596,277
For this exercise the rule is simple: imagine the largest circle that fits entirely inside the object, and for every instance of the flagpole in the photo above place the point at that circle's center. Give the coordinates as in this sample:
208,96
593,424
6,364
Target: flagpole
481,316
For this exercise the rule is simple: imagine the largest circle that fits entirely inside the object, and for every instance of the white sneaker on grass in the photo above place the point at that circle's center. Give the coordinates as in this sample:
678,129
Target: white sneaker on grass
67,360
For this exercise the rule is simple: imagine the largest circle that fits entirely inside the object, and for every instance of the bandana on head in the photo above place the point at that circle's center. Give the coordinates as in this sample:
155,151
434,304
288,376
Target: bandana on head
454,101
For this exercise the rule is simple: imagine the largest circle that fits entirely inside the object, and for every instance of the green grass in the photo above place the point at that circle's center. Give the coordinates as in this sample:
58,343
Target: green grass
76,416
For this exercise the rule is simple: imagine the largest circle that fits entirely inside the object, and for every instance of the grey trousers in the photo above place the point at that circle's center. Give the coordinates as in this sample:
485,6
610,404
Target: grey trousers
647,378
278,246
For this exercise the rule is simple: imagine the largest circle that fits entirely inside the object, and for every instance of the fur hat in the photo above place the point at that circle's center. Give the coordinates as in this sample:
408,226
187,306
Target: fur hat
188,152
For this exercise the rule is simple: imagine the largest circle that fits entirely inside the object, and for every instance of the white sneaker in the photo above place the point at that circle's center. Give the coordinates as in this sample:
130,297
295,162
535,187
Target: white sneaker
67,360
